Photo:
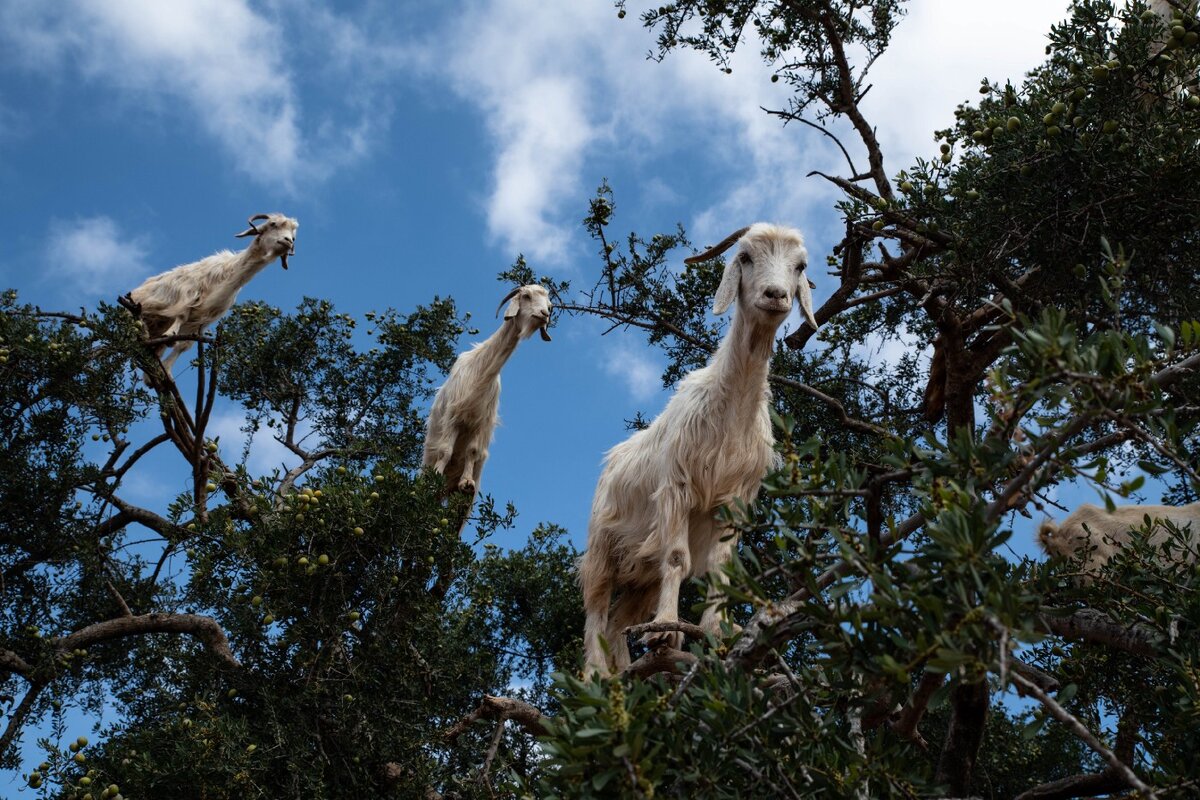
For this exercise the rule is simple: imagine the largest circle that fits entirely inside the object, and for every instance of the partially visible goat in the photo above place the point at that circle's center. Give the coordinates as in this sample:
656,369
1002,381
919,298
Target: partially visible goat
1097,535
464,412
189,298
652,523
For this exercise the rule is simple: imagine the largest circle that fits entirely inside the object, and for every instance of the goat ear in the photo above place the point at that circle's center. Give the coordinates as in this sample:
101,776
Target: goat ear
804,295
514,306
727,291
545,336
245,233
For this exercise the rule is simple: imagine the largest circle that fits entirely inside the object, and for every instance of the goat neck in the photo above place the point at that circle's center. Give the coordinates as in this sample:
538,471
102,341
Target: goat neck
743,360
251,261
494,351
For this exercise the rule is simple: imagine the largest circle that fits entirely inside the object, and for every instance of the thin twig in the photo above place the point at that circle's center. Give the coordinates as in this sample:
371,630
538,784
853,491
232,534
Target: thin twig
1083,734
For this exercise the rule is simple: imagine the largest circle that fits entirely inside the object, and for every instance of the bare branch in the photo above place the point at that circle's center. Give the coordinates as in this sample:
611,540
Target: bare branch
17,718
910,716
203,628
663,658
501,708
1089,625
1083,734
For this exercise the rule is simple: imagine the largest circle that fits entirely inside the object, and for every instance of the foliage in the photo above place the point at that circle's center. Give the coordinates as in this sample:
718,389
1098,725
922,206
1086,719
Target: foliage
1044,261
356,621
318,631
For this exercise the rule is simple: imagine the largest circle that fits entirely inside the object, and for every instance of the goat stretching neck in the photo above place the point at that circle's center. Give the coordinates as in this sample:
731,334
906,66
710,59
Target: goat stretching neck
464,412
1096,535
652,522
189,298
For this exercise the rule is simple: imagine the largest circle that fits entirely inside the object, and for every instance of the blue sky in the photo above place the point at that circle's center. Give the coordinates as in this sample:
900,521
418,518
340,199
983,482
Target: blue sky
423,146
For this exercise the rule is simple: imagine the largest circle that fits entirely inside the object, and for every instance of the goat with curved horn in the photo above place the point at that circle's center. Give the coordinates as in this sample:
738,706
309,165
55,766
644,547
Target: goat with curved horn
189,298
654,518
464,412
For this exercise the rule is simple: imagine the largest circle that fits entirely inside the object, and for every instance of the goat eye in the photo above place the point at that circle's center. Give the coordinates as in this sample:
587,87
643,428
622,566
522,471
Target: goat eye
800,266
744,258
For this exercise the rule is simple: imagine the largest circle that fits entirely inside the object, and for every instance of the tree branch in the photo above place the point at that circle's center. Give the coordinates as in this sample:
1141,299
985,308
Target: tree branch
1083,734
1089,625
500,709
17,719
969,709
203,628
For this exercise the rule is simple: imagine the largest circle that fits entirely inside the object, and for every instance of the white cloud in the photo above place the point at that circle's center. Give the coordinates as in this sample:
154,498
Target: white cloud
939,54
631,363
559,84
90,257
224,62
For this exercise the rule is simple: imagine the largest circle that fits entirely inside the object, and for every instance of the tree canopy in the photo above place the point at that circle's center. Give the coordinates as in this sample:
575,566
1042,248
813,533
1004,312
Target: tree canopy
328,631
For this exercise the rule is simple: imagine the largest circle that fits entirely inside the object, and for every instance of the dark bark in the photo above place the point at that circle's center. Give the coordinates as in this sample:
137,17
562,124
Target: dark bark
968,715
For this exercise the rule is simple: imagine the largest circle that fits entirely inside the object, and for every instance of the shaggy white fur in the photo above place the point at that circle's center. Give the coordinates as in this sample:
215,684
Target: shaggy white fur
464,412
189,298
653,523
1094,533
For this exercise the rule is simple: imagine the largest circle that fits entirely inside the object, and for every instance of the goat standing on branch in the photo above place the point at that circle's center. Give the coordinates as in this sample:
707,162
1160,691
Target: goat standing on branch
464,412
187,299
653,523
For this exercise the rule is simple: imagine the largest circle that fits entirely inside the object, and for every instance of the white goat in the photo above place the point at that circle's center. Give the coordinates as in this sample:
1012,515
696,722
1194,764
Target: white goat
463,416
652,523
189,298
1097,535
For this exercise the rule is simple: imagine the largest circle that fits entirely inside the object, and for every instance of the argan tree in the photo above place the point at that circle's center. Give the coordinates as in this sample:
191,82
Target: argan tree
1041,265
305,633
325,632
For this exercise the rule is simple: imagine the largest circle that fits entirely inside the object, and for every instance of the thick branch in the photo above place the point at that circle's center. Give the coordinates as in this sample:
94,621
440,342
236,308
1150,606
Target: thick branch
11,662
17,718
1089,625
663,658
203,628
969,708
910,717
1075,786
500,709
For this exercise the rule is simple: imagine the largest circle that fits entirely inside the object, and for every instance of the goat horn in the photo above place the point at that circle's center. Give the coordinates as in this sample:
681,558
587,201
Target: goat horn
253,229
717,249
507,297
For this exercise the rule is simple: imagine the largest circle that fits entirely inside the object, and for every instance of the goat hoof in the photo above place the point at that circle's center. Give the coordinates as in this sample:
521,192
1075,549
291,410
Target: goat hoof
467,486
672,639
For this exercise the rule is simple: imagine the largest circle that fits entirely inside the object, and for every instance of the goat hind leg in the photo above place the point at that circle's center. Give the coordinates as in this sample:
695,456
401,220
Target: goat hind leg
633,606
596,583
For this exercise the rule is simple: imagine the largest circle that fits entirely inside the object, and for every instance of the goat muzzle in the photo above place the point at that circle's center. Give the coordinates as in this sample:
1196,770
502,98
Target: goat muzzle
290,251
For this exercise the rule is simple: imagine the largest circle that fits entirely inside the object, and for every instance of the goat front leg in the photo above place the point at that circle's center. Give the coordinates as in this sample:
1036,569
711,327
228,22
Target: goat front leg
718,557
472,469
674,567
443,448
